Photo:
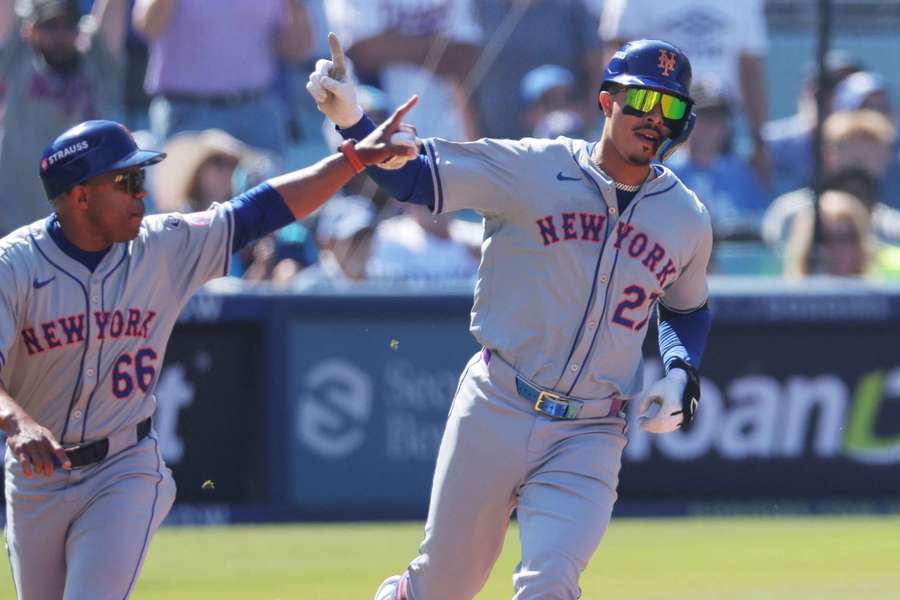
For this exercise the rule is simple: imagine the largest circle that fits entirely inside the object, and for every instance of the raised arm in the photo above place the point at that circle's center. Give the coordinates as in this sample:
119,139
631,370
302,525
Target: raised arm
151,17
8,20
753,91
112,23
294,195
456,61
307,189
295,41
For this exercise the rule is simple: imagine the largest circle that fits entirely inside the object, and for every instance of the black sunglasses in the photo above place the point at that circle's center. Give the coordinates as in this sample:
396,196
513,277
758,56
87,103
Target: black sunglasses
131,182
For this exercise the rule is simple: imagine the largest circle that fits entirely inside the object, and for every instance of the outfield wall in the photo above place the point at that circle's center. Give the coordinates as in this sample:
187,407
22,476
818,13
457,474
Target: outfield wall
333,407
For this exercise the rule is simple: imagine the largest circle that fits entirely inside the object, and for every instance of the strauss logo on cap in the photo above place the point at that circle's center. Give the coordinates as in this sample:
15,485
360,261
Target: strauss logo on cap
63,153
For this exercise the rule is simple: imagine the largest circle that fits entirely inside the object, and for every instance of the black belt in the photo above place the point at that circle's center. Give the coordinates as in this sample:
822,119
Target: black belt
221,100
82,456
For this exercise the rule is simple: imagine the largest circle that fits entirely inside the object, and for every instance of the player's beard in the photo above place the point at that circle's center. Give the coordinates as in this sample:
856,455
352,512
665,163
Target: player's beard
640,157
62,61
639,160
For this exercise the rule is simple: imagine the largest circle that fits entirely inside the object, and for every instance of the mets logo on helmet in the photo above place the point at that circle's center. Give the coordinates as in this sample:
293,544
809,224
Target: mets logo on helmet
666,61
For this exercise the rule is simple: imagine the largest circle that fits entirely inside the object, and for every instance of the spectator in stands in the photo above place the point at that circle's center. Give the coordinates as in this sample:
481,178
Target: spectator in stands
847,245
528,34
865,90
544,90
725,40
135,98
413,47
789,140
199,170
421,248
566,123
856,154
279,256
210,166
344,231
56,71
724,182
862,90
212,64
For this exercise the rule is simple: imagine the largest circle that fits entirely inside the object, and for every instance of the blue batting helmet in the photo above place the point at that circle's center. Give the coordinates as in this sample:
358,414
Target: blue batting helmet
660,66
651,64
87,150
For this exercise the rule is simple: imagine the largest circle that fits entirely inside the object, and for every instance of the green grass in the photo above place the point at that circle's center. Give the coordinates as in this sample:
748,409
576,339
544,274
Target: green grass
698,559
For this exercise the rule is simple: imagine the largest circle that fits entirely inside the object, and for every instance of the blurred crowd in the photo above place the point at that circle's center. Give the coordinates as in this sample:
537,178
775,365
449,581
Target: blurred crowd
219,87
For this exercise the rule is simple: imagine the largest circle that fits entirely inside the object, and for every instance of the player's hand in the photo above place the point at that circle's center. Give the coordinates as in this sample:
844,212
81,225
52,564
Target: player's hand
661,407
406,136
333,89
381,145
36,448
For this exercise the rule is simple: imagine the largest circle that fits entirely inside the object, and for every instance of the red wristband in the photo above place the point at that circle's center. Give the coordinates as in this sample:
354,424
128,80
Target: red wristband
348,150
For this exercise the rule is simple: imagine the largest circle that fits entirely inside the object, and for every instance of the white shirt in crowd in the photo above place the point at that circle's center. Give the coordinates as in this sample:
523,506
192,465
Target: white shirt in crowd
437,113
712,33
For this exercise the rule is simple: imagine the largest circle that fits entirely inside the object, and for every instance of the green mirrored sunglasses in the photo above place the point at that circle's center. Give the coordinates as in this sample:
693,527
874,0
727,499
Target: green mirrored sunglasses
640,101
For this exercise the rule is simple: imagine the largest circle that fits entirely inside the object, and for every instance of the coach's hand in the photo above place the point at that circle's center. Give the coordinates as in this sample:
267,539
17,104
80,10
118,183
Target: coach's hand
35,447
333,89
674,397
378,146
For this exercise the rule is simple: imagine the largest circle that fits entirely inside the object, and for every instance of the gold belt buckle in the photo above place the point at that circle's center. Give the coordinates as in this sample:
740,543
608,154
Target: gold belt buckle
542,396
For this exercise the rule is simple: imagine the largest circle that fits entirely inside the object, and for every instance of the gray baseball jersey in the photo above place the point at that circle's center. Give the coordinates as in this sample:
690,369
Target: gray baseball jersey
81,352
566,284
565,289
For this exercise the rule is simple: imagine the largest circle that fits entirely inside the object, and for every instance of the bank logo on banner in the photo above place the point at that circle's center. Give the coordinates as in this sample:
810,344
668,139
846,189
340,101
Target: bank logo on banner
864,442
759,416
334,408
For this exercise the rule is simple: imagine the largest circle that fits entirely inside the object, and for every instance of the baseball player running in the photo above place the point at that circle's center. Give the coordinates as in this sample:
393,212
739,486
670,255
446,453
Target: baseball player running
88,299
581,241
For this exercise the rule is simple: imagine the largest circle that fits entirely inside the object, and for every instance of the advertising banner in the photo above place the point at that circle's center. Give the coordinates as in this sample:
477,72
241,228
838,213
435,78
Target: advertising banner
792,408
211,409
787,411
368,400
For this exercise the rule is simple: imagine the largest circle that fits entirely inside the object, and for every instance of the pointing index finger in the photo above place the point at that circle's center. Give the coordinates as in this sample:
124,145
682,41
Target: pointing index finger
338,69
397,117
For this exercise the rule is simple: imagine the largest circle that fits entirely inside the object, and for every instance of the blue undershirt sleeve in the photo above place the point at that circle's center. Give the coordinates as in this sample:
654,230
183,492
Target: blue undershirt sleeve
411,183
683,335
258,212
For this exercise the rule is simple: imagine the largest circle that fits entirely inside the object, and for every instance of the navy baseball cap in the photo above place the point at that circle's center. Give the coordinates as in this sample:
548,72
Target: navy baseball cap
652,64
87,150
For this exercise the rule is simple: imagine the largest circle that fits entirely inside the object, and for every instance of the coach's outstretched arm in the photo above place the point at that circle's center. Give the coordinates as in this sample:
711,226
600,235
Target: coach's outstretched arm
308,188
282,199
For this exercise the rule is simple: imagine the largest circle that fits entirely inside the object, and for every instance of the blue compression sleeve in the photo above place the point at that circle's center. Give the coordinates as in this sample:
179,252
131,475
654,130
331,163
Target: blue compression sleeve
257,212
683,335
410,183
